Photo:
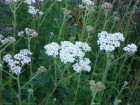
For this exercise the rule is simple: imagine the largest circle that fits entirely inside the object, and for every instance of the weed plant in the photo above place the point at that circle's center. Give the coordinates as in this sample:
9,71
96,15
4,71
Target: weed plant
69,52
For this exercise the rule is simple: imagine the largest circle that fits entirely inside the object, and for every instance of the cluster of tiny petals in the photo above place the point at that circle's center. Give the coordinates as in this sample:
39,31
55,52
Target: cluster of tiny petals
130,48
11,1
32,10
70,53
8,40
52,49
84,46
15,62
109,41
29,2
83,64
31,32
88,2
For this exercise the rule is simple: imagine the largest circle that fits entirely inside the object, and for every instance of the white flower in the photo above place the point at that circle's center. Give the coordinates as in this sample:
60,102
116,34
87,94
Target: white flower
31,32
21,33
8,40
117,102
88,2
69,52
82,65
0,65
52,49
125,83
16,69
84,46
40,13
32,10
11,1
108,41
29,2
7,57
17,60
25,52
130,48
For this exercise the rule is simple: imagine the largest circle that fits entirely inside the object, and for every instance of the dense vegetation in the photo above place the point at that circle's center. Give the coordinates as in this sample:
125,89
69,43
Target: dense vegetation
69,52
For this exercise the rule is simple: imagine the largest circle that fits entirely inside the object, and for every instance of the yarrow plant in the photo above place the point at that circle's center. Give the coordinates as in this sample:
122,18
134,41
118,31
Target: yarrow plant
29,33
130,49
8,40
17,61
109,41
70,53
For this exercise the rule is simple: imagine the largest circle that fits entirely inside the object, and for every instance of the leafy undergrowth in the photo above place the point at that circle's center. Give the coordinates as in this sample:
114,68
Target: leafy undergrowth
69,52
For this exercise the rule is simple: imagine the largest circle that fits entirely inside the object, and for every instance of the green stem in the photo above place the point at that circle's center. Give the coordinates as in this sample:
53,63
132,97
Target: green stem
19,90
94,70
92,101
29,97
106,68
79,78
55,71
120,69
61,78
31,73
29,81
61,29
132,92
0,79
14,10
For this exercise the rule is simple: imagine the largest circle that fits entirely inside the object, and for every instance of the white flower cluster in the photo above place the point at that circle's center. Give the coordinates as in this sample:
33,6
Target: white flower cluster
52,49
32,10
11,1
83,64
88,2
18,60
130,48
70,53
29,32
89,5
29,2
109,41
8,40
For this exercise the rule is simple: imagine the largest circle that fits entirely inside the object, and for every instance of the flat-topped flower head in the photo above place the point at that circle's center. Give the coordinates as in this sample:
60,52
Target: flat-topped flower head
18,60
84,46
71,53
31,32
130,48
29,2
11,1
82,65
88,2
109,41
8,40
52,49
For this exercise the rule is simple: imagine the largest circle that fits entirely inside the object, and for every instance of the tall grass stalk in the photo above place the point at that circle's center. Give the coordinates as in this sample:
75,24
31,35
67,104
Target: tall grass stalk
19,89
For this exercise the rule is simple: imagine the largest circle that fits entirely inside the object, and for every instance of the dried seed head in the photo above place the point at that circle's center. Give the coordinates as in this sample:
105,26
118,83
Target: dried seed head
107,6
42,69
30,91
96,87
89,28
